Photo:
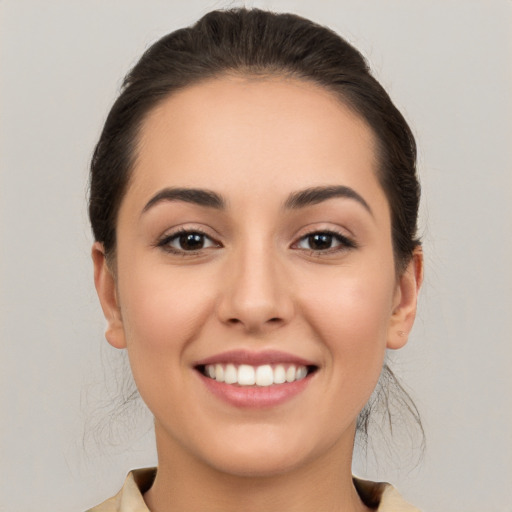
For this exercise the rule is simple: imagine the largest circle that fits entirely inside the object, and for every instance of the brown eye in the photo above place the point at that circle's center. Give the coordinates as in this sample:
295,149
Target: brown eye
187,241
191,241
323,241
320,241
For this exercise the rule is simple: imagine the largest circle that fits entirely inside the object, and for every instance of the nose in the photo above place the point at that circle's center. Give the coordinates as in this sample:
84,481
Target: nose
256,296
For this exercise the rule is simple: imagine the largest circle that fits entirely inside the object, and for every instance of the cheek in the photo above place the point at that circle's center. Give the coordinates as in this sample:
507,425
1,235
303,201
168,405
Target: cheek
351,315
348,314
163,313
163,310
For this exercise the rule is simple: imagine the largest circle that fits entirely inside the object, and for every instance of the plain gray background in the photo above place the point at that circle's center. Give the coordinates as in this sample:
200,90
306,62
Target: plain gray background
448,67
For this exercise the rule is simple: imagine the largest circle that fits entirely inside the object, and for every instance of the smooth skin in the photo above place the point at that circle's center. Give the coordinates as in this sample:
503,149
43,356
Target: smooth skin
253,275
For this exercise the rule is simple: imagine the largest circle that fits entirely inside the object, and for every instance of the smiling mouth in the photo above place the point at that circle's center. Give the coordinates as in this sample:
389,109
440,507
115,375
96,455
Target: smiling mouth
257,376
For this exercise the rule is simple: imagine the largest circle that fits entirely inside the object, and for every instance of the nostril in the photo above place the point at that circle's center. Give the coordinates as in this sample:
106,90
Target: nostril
271,321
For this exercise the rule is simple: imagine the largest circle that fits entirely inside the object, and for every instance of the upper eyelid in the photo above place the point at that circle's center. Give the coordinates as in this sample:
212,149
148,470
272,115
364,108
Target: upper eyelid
193,228
315,228
334,225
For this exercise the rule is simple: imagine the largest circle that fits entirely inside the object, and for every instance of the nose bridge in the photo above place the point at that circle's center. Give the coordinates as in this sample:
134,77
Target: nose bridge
255,294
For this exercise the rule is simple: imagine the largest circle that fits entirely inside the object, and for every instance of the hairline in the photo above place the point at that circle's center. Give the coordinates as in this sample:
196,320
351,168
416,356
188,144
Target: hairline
260,73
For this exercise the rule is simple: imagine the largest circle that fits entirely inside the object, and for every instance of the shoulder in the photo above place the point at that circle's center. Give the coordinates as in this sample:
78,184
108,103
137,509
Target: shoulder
382,496
130,497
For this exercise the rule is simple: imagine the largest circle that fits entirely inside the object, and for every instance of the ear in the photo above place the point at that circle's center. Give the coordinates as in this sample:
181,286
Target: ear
405,301
106,289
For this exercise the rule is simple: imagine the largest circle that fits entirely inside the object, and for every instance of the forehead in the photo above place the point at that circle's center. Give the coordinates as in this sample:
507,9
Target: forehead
236,131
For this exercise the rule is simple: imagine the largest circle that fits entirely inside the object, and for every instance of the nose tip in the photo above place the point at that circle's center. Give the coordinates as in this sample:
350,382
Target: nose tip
256,297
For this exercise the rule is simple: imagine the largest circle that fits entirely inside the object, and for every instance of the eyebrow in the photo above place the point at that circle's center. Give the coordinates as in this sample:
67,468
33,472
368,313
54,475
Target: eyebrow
296,200
197,196
316,195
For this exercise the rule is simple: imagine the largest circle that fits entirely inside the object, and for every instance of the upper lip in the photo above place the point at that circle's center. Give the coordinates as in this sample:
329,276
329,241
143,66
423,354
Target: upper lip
254,358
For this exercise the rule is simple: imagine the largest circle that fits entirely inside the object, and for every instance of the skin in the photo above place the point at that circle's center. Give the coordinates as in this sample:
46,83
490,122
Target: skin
257,284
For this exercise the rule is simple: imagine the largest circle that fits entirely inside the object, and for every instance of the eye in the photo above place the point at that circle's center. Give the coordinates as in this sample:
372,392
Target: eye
322,241
187,241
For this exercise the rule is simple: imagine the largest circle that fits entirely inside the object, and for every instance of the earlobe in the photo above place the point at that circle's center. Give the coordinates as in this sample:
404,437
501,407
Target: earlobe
106,289
406,300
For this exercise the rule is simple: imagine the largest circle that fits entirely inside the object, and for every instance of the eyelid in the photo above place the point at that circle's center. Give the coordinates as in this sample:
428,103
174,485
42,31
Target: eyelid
163,241
345,242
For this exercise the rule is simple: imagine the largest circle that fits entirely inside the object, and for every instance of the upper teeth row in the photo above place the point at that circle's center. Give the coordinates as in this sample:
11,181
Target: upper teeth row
246,375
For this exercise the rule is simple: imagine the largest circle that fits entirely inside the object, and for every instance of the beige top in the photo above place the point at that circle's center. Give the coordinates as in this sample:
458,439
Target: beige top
381,496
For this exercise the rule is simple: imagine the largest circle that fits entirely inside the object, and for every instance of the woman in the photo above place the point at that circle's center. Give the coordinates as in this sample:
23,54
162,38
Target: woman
254,204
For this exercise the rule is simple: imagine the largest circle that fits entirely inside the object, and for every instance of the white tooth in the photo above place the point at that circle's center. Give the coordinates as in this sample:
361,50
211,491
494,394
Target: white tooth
246,376
230,374
279,374
290,373
210,371
264,375
219,373
302,371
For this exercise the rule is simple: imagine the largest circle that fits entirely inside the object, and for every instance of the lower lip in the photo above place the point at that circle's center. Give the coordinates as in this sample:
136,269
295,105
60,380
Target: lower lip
255,397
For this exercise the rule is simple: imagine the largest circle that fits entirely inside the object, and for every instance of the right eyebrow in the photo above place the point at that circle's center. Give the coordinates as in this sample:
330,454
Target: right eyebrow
199,196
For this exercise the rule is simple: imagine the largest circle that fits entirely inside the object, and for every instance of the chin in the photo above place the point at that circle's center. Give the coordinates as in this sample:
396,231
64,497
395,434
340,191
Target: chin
263,453
257,464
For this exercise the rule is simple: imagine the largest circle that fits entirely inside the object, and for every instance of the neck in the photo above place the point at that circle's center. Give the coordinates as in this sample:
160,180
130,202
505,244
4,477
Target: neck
186,484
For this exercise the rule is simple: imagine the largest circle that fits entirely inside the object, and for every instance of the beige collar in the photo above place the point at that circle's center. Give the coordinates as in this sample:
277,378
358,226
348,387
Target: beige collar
383,497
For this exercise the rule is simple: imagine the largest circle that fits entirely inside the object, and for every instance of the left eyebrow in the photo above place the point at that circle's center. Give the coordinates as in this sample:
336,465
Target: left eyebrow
316,195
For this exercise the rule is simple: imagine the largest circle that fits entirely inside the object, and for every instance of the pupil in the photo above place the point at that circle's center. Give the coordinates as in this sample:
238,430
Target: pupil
191,241
320,241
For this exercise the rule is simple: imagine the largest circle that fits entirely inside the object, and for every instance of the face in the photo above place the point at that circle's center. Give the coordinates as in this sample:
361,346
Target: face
255,286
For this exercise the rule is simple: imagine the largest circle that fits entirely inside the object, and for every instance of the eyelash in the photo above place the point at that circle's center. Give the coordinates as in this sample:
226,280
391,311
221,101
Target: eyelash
165,242
344,243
